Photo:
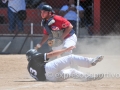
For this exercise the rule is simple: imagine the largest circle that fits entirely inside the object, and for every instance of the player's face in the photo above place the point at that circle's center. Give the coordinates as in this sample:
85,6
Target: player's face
44,14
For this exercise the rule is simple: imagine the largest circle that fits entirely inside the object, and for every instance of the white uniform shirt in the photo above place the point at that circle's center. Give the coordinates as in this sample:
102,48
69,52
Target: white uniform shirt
71,15
16,4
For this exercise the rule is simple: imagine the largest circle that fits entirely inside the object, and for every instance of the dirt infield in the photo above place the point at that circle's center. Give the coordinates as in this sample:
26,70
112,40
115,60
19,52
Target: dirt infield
14,76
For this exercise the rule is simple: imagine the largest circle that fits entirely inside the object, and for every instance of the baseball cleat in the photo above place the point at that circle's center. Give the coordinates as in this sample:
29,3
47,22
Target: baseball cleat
97,59
96,77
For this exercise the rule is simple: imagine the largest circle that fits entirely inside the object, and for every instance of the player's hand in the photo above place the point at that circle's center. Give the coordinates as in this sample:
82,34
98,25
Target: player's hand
37,46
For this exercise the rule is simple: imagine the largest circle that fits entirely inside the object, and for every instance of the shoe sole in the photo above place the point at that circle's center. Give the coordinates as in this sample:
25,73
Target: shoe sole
99,59
94,78
97,77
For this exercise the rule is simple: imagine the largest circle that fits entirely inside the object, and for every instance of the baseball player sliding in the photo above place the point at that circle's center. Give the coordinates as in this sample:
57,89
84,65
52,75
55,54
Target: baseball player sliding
42,70
57,27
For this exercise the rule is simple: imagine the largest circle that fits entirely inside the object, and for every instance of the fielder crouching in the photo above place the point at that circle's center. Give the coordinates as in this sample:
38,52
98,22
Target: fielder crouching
59,29
42,70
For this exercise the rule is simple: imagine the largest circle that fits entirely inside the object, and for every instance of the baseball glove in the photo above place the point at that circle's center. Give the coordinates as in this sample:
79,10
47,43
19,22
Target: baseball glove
54,42
50,43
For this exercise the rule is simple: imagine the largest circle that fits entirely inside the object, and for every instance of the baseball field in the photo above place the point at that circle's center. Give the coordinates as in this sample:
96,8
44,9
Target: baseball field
14,74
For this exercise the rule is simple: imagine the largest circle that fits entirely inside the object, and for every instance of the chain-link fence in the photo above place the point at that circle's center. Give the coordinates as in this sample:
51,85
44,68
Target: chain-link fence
97,17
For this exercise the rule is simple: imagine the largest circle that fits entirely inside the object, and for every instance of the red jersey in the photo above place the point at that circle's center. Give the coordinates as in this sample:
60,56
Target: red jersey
60,23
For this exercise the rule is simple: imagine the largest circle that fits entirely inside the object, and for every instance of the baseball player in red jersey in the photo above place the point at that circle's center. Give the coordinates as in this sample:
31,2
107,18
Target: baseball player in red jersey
61,30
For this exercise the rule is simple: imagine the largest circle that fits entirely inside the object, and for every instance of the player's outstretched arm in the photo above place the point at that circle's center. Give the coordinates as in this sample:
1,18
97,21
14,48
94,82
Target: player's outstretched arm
58,52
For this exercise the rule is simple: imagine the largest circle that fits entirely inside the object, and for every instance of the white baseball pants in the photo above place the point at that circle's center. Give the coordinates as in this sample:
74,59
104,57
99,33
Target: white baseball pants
55,70
71,41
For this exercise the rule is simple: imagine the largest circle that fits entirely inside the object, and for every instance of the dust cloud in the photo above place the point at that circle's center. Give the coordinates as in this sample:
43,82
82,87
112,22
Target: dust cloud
98,45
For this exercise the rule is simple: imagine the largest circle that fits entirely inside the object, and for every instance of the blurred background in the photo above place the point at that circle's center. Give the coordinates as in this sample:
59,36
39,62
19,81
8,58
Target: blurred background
101,18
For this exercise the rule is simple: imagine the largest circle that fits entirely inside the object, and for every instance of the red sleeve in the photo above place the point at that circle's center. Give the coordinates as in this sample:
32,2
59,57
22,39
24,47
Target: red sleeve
61,22
45,32
65,23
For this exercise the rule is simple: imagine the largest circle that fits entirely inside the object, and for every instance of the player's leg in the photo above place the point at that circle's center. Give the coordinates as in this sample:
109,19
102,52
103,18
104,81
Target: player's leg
55,66
65,74
11,16
75,74
71,41
20,24
63,62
